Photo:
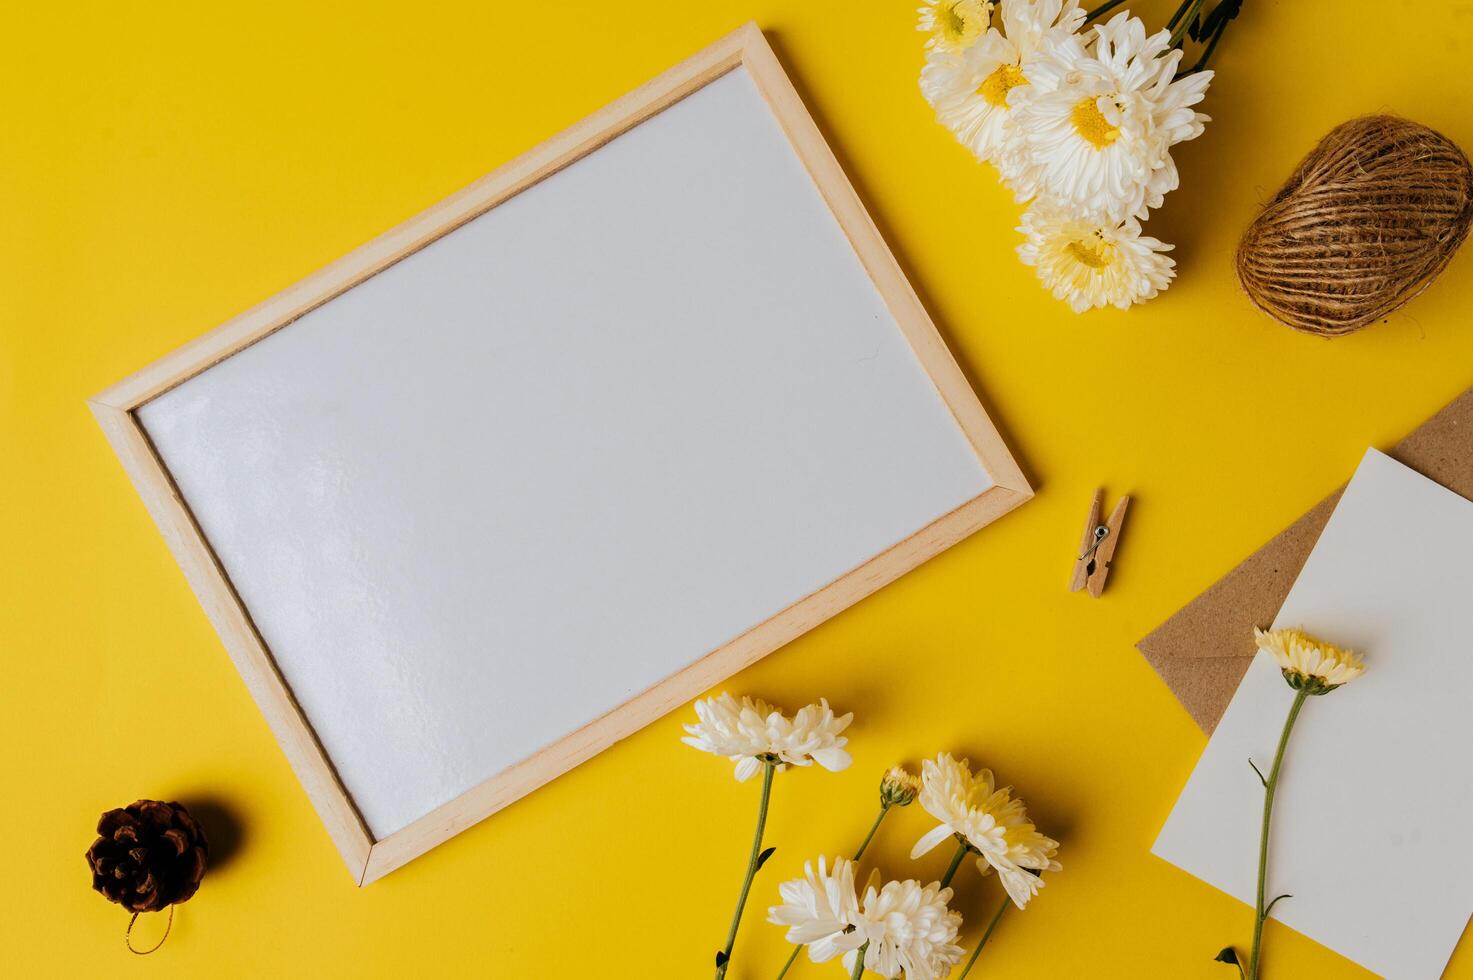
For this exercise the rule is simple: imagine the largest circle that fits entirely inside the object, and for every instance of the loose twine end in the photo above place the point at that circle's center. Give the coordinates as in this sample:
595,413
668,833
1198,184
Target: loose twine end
128,935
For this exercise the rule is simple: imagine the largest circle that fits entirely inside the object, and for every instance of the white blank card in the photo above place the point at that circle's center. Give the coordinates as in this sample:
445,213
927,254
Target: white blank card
1373,820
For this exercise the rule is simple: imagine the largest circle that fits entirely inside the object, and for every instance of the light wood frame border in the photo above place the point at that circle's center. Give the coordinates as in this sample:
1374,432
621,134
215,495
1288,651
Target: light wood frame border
369,858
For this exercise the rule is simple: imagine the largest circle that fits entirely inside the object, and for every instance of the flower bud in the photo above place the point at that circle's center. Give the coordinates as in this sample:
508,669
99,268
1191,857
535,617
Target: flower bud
898,787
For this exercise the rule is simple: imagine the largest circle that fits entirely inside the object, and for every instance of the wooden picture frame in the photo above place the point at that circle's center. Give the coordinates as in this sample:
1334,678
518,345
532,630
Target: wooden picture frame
369,858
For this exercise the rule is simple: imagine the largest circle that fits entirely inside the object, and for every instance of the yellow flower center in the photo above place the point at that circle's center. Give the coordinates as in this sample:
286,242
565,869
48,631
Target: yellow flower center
995,87
1093,251
1090,123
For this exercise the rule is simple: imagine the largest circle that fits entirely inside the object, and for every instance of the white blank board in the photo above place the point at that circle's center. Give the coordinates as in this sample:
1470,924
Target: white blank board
562,452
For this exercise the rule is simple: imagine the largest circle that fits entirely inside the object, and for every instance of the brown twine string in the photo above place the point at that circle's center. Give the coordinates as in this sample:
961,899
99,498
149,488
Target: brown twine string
128,936
1364,224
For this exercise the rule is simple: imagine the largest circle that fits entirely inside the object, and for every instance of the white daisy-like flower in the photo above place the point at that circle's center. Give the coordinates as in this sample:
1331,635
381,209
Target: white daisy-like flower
819,909
1096,122
752,732
1091,262
1307,663
969,89
954,24
908,929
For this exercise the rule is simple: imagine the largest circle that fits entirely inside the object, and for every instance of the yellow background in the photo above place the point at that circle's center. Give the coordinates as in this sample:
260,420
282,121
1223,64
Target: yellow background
163,166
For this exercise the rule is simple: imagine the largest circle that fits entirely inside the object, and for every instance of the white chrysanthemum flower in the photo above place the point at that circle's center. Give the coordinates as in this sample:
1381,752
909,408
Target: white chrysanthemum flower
1011,844
949,792
818,910
1308,663
954,24
908,928
1021,885
1089,262
1031,24
753,732
990,820
1096,123
969,90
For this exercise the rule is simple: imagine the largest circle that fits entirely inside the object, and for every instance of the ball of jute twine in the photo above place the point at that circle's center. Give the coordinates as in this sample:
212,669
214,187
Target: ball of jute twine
1364,223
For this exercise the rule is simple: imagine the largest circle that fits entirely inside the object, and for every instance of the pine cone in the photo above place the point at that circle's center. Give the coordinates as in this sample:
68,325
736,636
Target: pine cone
150,855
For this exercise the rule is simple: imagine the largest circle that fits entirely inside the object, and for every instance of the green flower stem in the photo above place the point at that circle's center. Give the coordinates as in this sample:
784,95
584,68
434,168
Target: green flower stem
859,963
1188,13
1268,808
956,862
1102,10
1176,17
768,768
985,936
884,809
1207,51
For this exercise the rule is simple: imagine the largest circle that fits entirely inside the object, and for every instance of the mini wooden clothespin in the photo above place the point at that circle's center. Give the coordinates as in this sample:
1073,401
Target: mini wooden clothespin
1097,550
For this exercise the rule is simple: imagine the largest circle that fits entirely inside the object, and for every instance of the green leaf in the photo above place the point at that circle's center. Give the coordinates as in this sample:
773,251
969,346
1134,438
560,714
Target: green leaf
1269,910
1230,956
720,958
762,858
1260,774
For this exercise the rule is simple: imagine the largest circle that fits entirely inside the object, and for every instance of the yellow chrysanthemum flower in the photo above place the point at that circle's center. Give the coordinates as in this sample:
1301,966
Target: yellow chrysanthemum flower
1310,666
1307,663
954,25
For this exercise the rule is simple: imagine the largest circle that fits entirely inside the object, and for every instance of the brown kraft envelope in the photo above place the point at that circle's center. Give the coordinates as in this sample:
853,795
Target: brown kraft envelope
1203,650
